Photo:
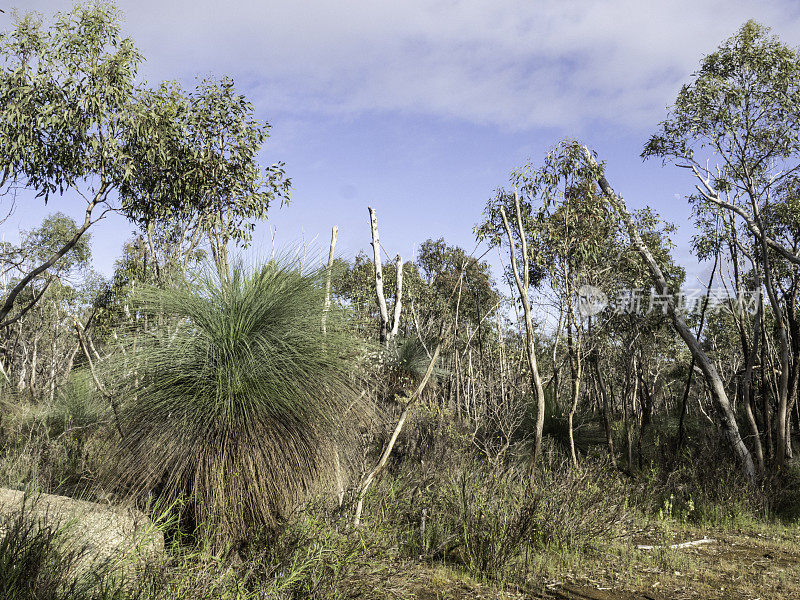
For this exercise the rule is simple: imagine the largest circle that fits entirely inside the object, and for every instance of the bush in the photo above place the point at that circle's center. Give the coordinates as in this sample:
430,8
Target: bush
488,518
241,400
77,407
706,487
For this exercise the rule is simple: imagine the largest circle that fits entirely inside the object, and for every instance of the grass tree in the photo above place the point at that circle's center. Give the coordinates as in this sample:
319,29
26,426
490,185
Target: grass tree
243,404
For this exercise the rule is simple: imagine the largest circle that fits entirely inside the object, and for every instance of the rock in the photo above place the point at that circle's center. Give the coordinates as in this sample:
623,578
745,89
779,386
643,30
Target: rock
113,534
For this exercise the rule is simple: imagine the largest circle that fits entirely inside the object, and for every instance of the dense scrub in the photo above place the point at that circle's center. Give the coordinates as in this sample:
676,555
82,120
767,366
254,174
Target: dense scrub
385,430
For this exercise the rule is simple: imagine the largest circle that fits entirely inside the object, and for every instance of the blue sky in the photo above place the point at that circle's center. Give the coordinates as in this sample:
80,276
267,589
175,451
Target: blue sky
421,109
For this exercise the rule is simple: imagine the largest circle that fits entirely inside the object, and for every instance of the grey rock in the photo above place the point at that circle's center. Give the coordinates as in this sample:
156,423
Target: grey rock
112,534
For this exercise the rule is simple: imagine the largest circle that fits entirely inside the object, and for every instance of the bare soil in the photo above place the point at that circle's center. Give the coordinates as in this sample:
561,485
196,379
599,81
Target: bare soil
737,566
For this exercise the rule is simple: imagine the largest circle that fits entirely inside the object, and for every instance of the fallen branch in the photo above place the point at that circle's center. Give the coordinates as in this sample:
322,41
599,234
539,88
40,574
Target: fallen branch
398,428
678,546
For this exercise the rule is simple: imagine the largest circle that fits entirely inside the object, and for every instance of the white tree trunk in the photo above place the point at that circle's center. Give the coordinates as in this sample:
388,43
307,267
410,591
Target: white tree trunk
376,254
327,307
713,380
522,287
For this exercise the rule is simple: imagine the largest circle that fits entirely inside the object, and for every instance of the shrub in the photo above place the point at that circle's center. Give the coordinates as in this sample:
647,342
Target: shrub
488,518
77,407
242,401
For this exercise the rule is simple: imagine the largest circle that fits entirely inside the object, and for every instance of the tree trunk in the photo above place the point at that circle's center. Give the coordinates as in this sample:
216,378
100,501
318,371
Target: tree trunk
522,287
748,392
68,245
383,334
713,380
601,385
574,347
328,273
398,297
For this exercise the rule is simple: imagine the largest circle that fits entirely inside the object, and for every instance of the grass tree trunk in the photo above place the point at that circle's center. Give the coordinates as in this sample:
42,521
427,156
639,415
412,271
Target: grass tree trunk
714,381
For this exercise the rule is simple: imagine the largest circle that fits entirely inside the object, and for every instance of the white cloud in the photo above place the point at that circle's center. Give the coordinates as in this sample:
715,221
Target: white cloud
563,64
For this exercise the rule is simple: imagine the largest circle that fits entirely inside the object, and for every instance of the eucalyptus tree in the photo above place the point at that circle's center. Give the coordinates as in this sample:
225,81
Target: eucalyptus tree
575,157
575,235
199,182
443,268
65,98
440,265
632,336
32,339
74,119
579,259
496,213
736,128
734,252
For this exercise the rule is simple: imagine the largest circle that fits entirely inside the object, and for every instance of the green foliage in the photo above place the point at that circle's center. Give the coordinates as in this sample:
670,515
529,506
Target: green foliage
77,406
241,402
38,244
489,520
572,233
428,284
65,99
742,110
441,266
210,179
744,103
311,558
41,243
72,115
705,489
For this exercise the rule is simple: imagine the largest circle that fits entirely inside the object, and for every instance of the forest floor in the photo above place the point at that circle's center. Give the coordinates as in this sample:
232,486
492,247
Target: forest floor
752,565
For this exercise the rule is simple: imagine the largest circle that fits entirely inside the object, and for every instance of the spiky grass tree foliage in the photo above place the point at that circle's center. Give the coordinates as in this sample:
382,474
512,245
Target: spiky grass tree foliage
406,361
241,399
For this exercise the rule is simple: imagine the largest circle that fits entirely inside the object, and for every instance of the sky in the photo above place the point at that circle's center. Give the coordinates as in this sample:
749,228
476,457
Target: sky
421,109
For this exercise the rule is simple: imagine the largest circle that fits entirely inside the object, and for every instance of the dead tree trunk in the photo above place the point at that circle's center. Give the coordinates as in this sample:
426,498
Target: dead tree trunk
398,298
378,270
327,307
387,330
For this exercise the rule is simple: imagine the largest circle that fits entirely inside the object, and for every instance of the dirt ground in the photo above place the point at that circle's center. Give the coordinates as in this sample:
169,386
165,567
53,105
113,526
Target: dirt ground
736,566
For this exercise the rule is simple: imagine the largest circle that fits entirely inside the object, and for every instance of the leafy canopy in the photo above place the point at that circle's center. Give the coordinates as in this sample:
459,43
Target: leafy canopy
743,104
66,98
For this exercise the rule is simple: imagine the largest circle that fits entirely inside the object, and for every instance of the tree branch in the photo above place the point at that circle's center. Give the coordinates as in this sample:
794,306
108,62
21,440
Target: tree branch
23,283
